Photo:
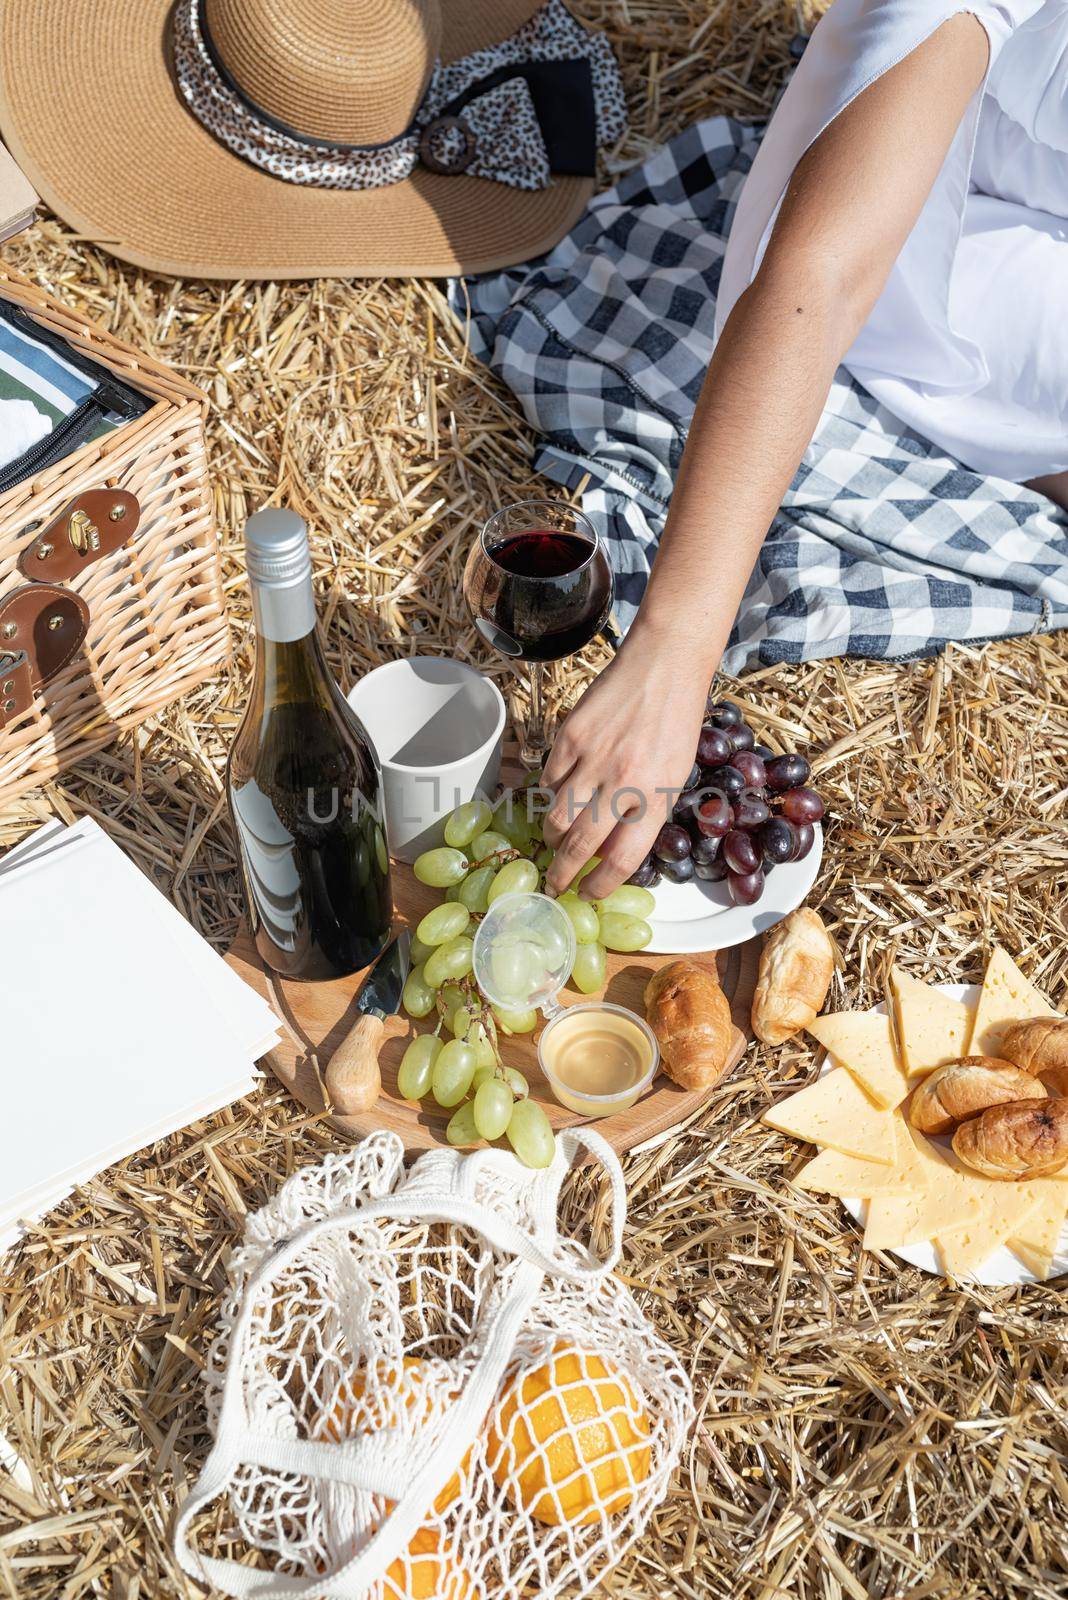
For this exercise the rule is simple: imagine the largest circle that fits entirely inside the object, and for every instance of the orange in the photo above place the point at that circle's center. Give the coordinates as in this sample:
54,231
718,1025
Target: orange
353,1414
570,1438
428,1572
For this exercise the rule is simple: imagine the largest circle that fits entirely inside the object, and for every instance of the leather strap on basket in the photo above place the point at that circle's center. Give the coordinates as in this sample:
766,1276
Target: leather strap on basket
90,526
16,685
42,628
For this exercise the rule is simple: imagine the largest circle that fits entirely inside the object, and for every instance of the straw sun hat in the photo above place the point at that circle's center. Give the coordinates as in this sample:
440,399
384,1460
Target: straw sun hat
305,138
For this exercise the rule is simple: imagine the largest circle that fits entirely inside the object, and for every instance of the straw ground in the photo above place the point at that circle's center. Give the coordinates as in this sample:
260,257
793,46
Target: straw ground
864,1429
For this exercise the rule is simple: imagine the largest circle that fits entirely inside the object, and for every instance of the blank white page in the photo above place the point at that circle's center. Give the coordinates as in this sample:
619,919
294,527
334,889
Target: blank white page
107,1037
247,1013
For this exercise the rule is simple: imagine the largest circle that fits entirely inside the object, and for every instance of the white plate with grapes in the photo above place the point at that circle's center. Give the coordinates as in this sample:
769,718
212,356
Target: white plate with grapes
743,847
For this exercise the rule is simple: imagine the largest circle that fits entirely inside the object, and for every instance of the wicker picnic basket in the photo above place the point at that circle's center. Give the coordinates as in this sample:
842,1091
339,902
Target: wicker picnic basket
123,528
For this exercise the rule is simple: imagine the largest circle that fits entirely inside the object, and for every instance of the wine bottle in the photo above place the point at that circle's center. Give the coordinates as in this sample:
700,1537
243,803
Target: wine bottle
303,781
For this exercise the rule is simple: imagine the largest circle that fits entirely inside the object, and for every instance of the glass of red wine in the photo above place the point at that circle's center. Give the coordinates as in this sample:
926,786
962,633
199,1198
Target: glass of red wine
539,587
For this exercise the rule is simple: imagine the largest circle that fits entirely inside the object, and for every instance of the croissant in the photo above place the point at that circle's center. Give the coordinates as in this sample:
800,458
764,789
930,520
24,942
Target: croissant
1025,1139
796,963
1038,1045
962,1089
690,1015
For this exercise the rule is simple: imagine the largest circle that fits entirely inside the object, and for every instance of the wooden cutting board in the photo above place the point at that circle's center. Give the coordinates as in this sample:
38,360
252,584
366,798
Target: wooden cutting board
316,1017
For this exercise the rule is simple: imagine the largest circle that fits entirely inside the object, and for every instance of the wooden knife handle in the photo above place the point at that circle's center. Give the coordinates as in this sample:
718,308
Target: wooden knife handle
353,1079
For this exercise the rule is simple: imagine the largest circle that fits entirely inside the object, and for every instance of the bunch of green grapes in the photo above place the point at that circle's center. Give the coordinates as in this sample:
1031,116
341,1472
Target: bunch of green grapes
460,1067
490,851
615,923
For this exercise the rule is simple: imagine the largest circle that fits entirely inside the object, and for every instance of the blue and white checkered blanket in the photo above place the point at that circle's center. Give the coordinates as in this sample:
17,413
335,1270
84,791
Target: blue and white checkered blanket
883,547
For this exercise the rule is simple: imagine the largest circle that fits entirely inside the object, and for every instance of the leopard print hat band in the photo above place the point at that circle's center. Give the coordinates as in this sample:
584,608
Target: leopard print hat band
541,101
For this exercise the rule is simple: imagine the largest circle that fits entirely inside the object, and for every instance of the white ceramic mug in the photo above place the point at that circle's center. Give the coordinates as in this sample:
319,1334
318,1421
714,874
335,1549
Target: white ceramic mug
437,726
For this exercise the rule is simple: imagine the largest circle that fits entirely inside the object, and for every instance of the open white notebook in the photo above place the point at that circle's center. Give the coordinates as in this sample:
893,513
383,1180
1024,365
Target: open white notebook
119,1023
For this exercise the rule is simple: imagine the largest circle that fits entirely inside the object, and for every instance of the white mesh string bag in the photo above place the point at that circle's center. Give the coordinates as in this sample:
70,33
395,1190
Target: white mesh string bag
421,1391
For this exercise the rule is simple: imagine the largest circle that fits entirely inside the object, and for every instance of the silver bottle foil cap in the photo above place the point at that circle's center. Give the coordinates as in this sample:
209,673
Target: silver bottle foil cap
279,569
276,547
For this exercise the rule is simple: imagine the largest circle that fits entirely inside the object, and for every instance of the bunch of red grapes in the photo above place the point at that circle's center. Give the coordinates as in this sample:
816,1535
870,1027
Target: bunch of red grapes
743,811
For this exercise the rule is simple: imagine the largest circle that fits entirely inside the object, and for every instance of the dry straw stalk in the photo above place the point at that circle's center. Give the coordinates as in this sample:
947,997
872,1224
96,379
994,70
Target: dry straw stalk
864,1429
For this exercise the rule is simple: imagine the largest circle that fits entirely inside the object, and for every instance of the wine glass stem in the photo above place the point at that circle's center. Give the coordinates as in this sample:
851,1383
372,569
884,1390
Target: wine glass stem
535,745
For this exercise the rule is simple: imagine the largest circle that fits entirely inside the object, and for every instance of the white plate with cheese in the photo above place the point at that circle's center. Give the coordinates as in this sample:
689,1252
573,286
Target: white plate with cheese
861,1122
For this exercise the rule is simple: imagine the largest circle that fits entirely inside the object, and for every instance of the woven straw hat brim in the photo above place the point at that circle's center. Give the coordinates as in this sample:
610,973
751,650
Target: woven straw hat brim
89,110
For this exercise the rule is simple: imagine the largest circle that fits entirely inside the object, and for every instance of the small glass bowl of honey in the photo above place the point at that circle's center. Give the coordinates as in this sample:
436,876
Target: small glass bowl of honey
598,1058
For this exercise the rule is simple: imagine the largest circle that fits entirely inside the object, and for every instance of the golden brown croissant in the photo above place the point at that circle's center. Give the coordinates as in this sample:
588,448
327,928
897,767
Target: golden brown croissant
796,963
1026,1139
961,1089
1038,1045
689,1013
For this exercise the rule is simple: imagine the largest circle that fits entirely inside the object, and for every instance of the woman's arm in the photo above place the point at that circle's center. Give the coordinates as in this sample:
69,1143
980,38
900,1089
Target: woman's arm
849,208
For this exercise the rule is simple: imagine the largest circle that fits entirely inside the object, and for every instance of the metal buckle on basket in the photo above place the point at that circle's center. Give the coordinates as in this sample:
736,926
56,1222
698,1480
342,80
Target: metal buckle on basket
83,534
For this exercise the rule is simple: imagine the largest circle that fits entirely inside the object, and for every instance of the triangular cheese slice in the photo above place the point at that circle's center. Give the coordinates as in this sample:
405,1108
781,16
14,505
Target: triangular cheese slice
1006,1208
932,1027
861,1041
940,1195
832,1173
1038,1238
836,1112
1006,997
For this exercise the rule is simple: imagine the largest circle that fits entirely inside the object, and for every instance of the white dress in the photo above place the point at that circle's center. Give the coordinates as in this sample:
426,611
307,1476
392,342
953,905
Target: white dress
968,342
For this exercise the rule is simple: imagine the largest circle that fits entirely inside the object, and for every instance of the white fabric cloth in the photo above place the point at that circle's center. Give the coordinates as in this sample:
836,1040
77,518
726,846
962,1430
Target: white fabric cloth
968,342
21,427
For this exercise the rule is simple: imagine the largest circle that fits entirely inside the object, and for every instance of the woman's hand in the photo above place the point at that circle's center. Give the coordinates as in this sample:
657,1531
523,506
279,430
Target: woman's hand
620,761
